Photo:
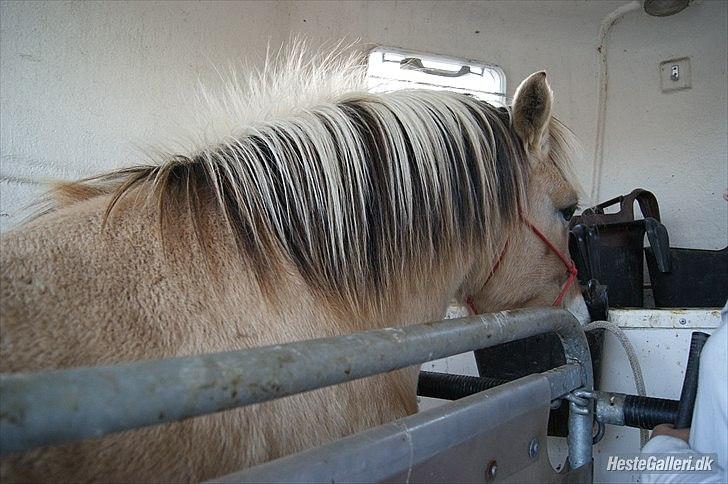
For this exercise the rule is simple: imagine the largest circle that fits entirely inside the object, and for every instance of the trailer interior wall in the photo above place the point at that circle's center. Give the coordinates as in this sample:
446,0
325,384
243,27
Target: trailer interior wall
675,144
83,84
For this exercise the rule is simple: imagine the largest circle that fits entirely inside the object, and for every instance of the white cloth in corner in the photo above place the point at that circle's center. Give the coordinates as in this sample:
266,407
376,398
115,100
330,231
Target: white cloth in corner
709,430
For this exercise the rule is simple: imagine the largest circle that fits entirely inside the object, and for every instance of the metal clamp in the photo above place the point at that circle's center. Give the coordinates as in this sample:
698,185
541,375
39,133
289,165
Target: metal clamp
580,401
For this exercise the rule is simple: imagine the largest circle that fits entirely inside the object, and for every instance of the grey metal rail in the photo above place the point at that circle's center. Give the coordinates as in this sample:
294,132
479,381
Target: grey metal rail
59,406
417,445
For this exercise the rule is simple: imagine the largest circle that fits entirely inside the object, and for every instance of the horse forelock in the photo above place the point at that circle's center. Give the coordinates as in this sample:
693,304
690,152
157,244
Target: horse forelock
562,149
366,195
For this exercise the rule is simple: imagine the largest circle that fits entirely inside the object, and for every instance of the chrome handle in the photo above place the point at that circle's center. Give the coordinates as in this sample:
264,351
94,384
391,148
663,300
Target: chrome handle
415,64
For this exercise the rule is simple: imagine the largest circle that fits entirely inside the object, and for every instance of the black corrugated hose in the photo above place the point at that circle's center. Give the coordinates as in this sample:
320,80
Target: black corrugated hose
453,387
646,412
639,412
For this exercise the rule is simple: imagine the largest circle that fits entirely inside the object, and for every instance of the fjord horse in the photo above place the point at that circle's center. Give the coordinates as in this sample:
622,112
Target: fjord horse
346,211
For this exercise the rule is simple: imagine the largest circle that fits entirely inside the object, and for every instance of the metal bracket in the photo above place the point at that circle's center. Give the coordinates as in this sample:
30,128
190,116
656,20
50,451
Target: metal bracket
582,402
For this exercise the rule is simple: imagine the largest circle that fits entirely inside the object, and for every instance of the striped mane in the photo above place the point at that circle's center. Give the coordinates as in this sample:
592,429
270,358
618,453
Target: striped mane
365,194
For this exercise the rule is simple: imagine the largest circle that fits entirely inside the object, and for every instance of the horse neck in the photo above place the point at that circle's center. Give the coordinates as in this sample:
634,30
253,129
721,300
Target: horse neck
423,303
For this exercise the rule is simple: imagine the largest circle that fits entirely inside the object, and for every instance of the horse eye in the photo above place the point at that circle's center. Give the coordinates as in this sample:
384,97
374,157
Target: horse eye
568,212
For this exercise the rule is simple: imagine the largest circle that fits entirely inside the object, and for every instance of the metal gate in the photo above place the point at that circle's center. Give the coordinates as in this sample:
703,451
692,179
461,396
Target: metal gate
497,434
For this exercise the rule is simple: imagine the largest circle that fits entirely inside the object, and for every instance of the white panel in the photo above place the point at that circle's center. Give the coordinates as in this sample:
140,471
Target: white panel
665,318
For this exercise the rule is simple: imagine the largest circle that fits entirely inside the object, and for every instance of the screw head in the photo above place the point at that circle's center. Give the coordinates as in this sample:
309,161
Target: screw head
683,321
533,448
491,470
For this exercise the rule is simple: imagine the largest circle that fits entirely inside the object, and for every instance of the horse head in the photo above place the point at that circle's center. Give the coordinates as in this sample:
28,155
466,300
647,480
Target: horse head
532,267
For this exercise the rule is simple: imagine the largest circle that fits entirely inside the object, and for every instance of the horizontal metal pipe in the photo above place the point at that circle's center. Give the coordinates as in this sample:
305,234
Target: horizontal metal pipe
610,408
59,406
394,450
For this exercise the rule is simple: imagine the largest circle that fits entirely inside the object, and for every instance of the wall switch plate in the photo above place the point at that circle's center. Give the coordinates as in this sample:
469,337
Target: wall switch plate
675,74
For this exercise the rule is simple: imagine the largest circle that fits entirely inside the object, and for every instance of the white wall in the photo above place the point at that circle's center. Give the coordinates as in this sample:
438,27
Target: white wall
81,83
675,143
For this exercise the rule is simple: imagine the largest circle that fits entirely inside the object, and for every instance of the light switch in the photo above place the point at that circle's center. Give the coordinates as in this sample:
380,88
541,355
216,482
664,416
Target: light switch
675,74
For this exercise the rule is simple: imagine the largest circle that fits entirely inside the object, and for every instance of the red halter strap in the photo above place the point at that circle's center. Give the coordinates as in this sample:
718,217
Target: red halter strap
570,267
469,300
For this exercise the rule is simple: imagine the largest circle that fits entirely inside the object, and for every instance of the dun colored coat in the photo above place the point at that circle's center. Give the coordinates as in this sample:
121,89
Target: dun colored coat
346,211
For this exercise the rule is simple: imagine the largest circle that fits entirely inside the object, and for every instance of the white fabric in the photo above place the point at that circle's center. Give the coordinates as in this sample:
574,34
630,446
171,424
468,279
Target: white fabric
709,430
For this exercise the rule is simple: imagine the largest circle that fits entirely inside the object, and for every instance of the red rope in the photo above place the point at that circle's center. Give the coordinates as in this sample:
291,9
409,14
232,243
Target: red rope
471,305
570,267
469,300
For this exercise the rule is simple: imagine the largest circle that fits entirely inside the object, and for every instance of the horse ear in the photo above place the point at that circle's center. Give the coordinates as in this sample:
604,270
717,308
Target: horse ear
532,110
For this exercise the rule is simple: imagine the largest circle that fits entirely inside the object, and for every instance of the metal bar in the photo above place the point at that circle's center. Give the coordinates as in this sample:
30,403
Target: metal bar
579,440
561,382
405,447
68,405
610,408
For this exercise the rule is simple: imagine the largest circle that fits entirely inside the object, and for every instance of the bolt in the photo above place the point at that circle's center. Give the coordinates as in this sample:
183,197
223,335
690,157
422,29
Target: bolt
491,470
683,321
533,448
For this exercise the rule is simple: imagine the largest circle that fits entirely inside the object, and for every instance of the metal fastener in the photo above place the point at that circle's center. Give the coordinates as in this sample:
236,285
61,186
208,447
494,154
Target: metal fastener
533,448
491,470
683,321
675,72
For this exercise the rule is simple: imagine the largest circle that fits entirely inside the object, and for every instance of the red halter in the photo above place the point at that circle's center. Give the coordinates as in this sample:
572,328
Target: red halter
570,267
